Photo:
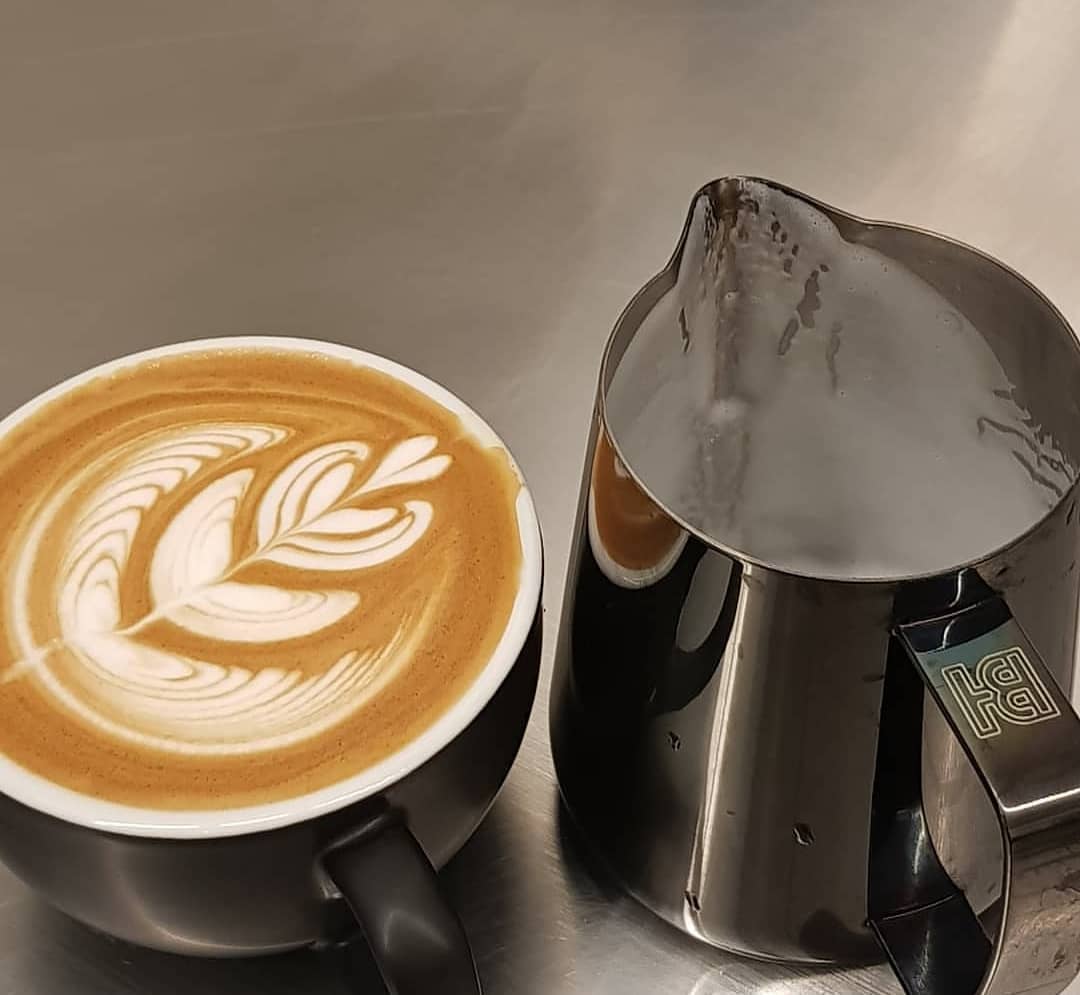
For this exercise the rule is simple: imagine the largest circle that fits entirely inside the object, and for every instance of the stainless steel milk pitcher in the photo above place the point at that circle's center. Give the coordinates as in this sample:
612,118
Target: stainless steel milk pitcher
819,767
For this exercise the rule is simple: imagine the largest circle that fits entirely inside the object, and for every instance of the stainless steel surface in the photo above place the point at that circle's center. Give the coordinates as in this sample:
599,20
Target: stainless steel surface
429,179
716,720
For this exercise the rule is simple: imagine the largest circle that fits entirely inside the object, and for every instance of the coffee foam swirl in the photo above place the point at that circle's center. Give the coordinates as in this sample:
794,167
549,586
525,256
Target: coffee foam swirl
231,578
308,518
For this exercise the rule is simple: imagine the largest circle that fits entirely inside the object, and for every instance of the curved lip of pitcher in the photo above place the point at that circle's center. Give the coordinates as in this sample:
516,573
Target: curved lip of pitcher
83,809
669,272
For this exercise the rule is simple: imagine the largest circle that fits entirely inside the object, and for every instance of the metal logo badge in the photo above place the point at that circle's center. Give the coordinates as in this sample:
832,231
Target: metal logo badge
1004,688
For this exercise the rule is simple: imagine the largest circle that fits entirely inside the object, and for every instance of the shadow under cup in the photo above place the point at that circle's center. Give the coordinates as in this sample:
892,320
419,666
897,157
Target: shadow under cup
277,876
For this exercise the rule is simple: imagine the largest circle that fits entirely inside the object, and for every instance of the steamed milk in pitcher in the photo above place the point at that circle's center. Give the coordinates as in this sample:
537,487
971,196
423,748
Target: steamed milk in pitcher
811,404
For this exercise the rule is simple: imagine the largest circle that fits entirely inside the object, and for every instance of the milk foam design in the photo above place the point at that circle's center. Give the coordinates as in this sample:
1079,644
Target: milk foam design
336,507
812,403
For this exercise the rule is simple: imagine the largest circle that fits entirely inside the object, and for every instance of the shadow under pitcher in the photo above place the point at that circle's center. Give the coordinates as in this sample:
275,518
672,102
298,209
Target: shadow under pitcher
811,697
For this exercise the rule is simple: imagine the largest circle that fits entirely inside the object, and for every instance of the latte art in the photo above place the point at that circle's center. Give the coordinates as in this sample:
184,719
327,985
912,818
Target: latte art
219,590
309,517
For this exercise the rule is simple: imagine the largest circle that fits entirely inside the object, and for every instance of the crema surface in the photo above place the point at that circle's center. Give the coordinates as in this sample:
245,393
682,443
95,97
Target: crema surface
236,576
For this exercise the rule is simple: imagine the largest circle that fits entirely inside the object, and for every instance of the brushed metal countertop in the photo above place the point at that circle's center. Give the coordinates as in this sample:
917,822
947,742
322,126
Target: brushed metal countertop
475,188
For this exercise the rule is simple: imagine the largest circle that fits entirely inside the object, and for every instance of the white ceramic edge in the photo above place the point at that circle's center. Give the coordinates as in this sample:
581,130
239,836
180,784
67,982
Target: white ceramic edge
71,806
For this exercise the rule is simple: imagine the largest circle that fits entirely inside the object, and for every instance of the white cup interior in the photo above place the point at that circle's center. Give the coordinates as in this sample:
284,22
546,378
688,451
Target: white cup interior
49,797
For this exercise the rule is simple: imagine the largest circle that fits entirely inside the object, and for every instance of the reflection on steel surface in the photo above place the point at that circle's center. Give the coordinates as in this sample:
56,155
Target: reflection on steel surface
439,182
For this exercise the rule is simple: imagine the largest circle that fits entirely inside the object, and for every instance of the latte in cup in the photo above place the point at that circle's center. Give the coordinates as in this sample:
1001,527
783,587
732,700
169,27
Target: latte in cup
233,576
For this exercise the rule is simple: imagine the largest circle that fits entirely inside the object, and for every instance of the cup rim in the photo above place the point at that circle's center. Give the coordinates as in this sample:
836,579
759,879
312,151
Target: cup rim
72,806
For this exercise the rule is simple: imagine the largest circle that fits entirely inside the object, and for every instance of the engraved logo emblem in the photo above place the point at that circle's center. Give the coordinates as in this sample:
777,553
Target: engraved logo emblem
1004,689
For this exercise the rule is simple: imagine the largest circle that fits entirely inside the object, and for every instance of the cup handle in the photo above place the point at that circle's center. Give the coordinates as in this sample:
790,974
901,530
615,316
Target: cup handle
417,940
1023,739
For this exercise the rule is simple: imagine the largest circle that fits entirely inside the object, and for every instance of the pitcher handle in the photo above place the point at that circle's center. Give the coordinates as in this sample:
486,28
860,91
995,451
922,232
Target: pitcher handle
1023,739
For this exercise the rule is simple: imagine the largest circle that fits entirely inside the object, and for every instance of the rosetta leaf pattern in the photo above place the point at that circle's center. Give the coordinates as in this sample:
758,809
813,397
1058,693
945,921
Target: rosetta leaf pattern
327,512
